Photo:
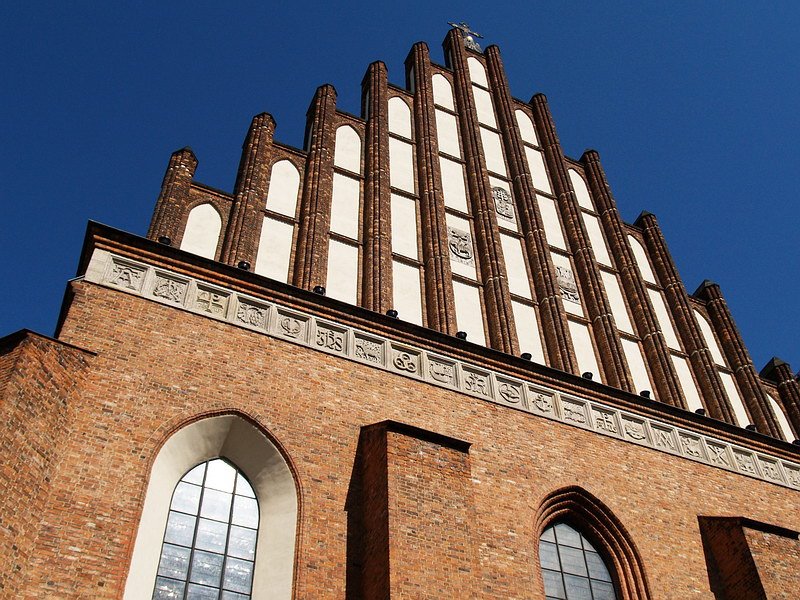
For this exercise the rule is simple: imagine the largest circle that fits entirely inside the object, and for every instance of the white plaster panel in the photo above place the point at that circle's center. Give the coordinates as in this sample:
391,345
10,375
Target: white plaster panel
735,399
688,385
709,337
447,133
538,170
515,266
581,191
404,226
401,165
584,350
528,330
442,91
552,222
347,153
468,312
640,256
493,151
477,73
345,204
284,186
201,235
406,295
274,249
783,422
501,220
399,117
526,128
453,186
483,104
342,278
597,239
614,293
662,314
456,266
633,355
559,260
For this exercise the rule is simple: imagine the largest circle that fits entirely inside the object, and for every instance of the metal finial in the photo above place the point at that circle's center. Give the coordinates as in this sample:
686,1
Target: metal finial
468,35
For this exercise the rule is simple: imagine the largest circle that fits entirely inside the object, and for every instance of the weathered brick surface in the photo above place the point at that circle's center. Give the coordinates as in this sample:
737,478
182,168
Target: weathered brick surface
38,382
777,559
158,368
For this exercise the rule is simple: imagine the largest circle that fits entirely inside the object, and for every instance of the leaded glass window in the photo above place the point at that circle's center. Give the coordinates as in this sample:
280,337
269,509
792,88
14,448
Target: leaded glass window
210,542
571,567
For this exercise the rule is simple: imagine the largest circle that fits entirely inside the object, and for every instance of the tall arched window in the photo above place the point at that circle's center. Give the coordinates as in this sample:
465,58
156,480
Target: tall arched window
210,542
607,568
218,488
571,566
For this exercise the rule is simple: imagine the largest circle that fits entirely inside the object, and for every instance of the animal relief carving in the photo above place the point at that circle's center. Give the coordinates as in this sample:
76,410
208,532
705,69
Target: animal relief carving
369,350
509,393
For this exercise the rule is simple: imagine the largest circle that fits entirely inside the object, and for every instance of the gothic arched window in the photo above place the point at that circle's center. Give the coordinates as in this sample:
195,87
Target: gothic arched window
209,544
572,568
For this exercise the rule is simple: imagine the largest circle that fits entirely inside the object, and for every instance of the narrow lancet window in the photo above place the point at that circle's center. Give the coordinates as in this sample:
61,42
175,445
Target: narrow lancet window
572,568
210,541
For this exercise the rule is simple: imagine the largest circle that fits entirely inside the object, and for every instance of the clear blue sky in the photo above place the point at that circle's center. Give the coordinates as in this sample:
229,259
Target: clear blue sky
693,106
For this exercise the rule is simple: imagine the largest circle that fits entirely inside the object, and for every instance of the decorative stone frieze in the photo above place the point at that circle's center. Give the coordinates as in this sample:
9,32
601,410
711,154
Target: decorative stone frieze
320,334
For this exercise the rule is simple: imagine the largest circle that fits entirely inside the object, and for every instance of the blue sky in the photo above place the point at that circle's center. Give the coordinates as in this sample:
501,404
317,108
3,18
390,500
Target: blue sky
693,107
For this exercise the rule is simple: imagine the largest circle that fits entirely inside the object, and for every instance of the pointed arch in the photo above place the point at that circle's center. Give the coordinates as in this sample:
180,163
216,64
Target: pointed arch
201,235
580,509
245,445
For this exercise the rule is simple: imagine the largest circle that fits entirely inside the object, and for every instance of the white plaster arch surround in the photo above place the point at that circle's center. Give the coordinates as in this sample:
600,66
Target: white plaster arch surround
232,437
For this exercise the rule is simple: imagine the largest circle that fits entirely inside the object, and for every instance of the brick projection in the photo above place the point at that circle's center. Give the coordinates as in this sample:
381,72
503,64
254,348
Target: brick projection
424,466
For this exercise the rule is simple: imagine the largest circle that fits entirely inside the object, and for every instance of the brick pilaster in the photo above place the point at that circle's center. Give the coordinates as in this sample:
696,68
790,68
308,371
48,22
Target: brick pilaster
439,300
377,264
250,192
409,547
496,294
558,342
705,371
788,389
173,199
593,294
738,357
656,351
311,262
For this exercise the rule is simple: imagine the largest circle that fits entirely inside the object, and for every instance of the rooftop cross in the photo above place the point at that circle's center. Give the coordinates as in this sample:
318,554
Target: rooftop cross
468,35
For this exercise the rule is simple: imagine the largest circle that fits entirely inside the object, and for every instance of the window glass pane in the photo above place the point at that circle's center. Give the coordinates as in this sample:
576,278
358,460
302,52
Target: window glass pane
216,505
168,589
603,590
204,553
220,476
243,488
180,529
206,568
567,536
174,562
597,568
242,543
553,584
548,556
195,475
571,568
186,498
238,575
201,592
572,560
577,588
211,535
245,512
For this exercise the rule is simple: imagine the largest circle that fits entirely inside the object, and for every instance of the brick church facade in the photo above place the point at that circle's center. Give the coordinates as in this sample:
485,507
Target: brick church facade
422,357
